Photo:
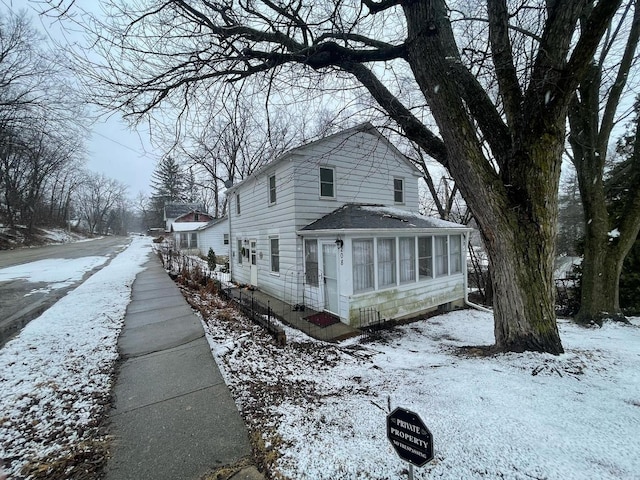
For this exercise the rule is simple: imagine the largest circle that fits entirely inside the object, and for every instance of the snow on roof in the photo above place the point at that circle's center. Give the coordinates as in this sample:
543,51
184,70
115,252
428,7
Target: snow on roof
356,216
188,226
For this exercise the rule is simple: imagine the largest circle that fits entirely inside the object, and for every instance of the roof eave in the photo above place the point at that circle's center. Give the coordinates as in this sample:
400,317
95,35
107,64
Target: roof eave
355,231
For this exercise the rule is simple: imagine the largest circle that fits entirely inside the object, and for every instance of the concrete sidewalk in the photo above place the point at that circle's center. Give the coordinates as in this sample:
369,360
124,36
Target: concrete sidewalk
173,416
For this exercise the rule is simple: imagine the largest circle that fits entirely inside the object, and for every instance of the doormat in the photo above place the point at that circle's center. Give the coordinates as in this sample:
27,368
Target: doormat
322,319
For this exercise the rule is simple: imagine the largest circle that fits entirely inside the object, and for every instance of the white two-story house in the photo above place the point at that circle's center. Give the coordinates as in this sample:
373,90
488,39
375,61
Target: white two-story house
333,225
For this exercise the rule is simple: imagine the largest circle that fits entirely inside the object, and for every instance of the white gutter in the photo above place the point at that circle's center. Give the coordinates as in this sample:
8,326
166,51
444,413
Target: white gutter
474,305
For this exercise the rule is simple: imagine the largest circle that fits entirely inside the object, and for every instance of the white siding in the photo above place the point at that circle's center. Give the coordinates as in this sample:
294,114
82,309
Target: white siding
213,237
259,220
365,167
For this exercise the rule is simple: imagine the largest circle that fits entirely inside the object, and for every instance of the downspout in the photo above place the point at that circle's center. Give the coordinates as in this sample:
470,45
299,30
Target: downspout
466,283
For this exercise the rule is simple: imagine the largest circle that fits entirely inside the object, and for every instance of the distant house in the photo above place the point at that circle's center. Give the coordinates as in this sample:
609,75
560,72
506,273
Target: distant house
185,211
333,225
190,228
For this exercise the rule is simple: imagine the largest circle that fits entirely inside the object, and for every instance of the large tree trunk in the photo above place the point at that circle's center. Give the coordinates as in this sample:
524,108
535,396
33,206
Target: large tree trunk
521,248
515,208
601,268
604,254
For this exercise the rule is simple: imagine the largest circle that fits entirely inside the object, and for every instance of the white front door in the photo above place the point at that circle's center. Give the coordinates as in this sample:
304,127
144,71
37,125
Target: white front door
253,263
330,277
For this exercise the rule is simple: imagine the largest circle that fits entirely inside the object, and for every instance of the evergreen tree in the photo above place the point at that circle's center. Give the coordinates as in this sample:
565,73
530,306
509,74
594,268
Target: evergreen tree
168,181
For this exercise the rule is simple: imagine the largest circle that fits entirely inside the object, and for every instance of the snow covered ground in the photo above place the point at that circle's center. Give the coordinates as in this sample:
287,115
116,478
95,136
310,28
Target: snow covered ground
55,376
321,408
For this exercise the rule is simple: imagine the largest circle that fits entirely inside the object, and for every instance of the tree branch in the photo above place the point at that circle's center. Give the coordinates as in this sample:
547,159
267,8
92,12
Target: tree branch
413,128
503,60
376,7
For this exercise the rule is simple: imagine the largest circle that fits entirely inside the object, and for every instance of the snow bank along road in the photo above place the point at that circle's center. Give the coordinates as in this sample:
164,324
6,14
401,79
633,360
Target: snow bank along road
55,376
33,279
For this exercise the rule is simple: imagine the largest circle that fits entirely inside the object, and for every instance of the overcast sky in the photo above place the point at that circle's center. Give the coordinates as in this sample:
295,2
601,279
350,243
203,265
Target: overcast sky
112,148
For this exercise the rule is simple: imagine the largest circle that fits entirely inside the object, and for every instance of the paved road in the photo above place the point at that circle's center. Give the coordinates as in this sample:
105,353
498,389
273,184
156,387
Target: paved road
17,309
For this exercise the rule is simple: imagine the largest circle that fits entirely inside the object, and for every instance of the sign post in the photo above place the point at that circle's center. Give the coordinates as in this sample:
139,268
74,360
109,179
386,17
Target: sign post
410,438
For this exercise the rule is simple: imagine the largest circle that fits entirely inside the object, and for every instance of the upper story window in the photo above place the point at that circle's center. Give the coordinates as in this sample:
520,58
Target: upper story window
226,239
238,203
327,182
196,217
272,189
398,190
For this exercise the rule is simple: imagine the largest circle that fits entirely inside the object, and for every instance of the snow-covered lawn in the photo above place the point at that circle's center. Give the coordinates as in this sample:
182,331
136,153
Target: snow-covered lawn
322,408
318,410
55,376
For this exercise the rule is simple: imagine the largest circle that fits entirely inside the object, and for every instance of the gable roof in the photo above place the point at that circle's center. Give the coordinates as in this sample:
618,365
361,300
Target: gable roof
175,210
377,217
195,226
194,211
366,127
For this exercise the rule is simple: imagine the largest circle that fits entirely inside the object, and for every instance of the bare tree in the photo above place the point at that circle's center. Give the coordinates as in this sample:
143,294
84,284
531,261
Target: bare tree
230,143
598,104
502,145
97,199
38,122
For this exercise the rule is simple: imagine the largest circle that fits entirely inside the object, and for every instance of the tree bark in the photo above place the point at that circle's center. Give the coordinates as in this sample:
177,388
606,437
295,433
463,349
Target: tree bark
516,209
604,253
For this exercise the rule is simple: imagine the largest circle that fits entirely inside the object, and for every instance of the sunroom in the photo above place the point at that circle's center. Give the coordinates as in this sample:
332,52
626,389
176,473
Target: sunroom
363,262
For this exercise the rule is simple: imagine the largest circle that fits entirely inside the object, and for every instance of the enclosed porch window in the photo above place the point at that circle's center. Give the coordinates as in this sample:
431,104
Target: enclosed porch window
363,265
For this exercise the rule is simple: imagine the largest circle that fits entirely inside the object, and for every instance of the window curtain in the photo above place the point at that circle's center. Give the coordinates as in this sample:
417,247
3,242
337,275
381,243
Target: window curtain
386,261
362,252
441,255
455,253
311,262
407,259
275,255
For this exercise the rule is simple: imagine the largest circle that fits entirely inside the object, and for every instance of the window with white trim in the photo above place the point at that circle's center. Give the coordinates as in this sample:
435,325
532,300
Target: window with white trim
363,265
455,254
441,255
311,262
327,182
386,262
398,190
226,238
407,256
272,189
239,244
425,258
238,203
274,251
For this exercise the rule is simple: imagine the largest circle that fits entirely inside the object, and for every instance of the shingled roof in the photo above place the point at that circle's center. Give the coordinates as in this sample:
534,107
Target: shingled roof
175,210
377,217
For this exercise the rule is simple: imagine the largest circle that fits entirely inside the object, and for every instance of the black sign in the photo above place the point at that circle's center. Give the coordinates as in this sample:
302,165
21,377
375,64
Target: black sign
410,437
